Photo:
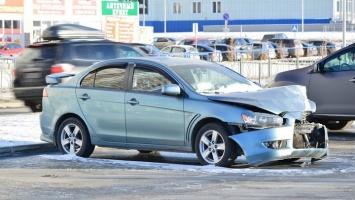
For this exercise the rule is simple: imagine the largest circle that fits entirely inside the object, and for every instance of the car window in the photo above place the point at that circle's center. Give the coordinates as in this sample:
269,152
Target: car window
177,50
187,42
341,62
127,51
40,52
93,52
162,40
166,49
148,80
108,77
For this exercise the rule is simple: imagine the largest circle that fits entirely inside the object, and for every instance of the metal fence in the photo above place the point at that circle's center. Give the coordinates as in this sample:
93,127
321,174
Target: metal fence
6,66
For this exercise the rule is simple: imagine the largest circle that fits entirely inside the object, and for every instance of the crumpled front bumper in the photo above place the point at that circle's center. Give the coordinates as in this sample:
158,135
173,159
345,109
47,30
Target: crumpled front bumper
257,153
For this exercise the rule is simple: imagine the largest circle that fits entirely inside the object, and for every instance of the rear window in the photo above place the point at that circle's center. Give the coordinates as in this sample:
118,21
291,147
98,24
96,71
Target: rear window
187,42
38,51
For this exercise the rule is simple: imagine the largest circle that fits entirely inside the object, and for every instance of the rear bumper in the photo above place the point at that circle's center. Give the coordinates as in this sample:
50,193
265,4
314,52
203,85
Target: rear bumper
29,93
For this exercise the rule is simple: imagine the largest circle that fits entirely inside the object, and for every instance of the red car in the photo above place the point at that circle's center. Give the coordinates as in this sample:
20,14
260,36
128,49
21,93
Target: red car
10,49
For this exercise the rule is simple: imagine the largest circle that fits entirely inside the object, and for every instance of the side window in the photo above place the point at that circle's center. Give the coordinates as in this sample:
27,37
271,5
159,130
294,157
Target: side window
108,77
162,40
94,52
127,51
342,62
148,80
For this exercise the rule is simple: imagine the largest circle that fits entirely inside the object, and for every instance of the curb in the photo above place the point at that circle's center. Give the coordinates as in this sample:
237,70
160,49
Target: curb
31,148
11,105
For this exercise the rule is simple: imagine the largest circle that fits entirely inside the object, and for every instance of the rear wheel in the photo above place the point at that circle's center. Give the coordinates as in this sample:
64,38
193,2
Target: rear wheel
213,146
337,125
73,138
35,107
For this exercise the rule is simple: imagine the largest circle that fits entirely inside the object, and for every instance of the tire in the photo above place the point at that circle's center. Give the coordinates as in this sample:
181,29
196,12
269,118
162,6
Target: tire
336,125
35,107
79,141
221,151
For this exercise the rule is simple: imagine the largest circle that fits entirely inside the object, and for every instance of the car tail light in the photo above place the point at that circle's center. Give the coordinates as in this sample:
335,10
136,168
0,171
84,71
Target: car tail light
44,93
61,68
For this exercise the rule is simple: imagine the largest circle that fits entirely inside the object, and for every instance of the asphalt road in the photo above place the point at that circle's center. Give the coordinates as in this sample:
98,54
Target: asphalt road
125,174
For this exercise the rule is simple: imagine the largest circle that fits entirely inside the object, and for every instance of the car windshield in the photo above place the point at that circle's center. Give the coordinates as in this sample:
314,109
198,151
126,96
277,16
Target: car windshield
214,79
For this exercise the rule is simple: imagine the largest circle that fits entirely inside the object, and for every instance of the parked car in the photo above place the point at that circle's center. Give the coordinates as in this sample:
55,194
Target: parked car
183,51
248,40
269,36
294,46
214,41
161,42
228,52
69,48
237,43
177,104
309,49
281,52
10,49
193,41
208,53
263,51
148,49
325,47
330,84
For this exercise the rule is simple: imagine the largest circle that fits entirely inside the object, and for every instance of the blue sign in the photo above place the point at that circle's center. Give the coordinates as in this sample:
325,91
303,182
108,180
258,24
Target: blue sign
294,28
226,16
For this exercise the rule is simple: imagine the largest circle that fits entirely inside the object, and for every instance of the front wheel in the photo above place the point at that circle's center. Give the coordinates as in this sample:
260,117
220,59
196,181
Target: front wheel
213,146
73,138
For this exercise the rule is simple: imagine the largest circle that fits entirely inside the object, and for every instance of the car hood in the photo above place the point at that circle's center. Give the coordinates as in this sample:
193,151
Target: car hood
284,99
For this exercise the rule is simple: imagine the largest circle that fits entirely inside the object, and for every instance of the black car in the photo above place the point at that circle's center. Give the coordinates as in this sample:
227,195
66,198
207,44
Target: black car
330,83
228,52
324,47
66,48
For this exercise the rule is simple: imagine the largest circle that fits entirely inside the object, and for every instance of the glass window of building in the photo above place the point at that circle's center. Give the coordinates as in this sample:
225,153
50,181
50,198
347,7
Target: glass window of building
176,8
143,4
216,7
196,7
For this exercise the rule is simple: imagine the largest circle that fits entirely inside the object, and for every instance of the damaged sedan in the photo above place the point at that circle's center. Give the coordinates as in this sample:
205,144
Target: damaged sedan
177,104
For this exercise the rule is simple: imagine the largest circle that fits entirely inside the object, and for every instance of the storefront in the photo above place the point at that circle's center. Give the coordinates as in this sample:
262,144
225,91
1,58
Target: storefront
11,21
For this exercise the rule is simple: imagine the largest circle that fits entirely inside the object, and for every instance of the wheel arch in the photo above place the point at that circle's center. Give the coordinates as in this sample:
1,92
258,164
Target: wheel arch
60,121
205,121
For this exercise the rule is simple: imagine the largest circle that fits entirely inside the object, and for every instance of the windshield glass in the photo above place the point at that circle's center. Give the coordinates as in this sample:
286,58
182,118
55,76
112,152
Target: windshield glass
214,79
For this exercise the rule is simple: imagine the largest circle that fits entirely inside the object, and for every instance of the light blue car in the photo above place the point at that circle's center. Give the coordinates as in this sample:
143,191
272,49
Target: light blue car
177,104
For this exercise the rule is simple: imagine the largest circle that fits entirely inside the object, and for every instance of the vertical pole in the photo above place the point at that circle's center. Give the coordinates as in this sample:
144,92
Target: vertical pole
302,16
344,21
144,12
164,16
259,72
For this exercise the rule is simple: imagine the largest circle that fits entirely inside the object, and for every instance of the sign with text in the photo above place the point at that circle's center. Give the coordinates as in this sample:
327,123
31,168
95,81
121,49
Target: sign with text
84,7
119,8
11,6
121,29
52,7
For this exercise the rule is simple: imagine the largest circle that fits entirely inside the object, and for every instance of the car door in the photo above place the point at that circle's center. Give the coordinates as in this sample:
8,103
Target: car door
333,87
153,118
101,99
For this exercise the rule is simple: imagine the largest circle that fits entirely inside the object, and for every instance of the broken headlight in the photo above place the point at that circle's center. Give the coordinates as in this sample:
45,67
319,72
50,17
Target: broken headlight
261,120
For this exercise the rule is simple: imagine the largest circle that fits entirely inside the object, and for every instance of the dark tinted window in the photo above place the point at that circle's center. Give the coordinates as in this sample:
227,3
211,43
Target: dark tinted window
126,51
94,52
110,77
39,52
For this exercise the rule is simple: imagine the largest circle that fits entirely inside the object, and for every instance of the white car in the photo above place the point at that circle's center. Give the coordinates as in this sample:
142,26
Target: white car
184,51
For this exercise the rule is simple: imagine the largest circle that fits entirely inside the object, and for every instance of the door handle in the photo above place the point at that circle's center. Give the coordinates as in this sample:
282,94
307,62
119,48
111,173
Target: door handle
133,102
84,97
352,80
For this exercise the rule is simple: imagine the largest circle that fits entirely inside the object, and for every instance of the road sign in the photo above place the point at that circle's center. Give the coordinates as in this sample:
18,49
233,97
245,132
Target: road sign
294,28
226,16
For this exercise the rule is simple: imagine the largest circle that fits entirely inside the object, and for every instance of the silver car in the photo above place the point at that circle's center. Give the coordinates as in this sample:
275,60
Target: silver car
177,104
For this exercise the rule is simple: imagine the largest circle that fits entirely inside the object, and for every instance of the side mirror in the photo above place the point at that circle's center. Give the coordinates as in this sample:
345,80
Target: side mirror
171,90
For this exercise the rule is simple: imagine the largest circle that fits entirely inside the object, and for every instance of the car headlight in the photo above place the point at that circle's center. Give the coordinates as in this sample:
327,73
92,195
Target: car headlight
261,120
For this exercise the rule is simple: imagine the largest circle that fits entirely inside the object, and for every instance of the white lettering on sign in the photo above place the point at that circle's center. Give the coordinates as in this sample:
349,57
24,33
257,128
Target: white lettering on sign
120,6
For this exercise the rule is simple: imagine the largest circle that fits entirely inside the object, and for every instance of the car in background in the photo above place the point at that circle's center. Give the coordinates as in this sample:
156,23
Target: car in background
69,48
208,53
248,40
148,49
161,42
176,104
309,49
193,41
325,47
228,52
183,51
214,41
294,46
263,51
10,49
281,52
237,43
269,36
330,83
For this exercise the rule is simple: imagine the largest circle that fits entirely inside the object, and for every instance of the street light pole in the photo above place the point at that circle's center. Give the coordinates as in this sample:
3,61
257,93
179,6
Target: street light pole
143,12
164,16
